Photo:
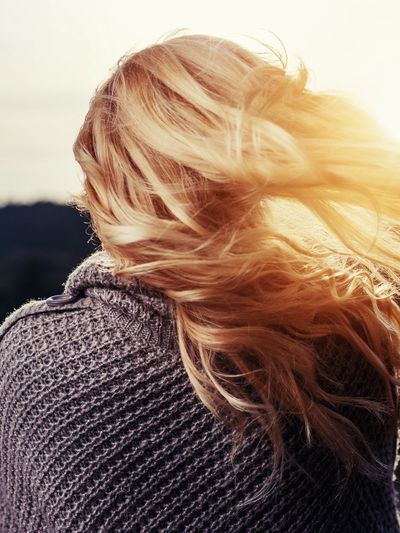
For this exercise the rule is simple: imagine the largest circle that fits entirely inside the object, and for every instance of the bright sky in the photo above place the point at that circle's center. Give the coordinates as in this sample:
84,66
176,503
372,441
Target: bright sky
54,53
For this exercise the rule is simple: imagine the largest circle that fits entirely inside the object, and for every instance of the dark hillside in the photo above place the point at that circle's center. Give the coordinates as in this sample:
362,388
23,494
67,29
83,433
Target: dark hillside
39,245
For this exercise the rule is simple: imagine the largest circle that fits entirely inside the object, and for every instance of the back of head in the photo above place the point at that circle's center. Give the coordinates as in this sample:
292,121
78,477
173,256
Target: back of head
268,213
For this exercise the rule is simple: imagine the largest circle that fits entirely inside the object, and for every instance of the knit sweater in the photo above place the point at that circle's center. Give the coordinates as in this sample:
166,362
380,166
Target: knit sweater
101,429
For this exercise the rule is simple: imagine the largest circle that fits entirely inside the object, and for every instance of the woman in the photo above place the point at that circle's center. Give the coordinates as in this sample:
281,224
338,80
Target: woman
228,361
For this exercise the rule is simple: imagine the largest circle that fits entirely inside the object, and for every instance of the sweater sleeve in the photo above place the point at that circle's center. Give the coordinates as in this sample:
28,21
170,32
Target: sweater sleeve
59,372
16,348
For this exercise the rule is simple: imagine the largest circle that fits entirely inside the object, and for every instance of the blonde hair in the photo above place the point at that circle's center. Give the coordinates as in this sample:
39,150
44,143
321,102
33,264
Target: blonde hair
268,213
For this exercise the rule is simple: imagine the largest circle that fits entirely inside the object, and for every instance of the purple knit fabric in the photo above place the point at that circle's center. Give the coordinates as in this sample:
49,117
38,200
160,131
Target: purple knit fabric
101,430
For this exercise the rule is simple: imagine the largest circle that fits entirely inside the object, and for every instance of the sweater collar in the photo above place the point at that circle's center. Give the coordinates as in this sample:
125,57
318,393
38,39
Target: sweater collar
93,277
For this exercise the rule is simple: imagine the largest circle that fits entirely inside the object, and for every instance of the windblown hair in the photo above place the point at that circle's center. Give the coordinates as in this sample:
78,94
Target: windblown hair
268,213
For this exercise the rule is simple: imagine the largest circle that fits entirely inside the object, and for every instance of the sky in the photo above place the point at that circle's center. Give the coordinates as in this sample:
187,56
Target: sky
53,54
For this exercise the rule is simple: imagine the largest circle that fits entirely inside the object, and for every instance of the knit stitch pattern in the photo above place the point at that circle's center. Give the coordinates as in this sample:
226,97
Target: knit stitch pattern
101,430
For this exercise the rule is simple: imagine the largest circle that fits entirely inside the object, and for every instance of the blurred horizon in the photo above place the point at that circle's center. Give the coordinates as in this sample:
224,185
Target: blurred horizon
54,55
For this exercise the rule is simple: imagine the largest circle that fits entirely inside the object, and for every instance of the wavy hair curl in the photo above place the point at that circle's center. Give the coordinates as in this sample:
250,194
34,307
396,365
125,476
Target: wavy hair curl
268,213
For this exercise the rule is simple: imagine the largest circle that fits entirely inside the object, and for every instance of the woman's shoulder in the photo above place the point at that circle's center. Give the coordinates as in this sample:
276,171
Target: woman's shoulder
43,346
37,339
44,325
95,318
80,347
92,297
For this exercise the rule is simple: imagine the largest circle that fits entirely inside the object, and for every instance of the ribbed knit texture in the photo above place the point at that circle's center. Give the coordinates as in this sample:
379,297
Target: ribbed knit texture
101,430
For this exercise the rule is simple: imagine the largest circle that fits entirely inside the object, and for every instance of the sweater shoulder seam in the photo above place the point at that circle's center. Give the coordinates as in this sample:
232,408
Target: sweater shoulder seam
40,307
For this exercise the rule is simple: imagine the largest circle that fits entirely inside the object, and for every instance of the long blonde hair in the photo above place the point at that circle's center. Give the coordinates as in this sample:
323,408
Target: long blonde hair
268,213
